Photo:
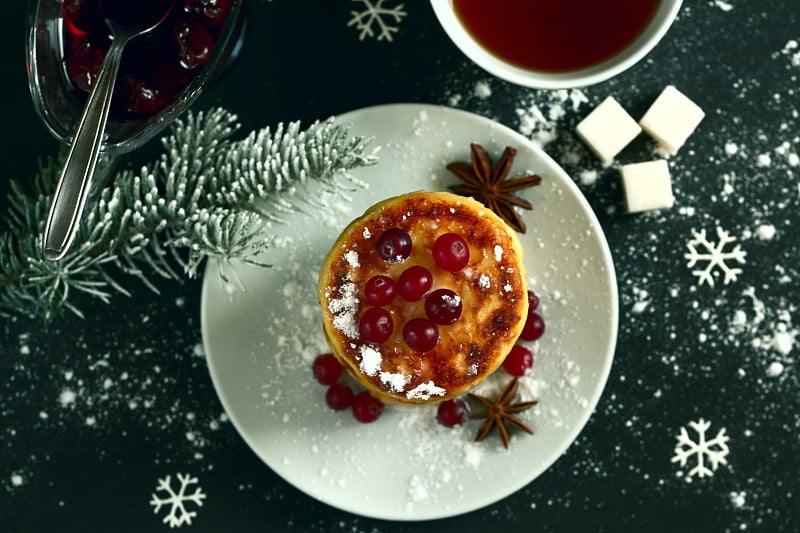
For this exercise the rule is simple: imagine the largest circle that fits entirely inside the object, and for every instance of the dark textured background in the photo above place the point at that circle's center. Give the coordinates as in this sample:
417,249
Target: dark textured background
137,367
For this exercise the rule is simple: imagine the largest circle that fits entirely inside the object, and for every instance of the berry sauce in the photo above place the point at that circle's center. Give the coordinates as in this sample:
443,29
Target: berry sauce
155,67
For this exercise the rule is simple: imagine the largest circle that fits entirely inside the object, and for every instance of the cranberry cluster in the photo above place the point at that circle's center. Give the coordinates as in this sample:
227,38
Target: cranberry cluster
155,68
366,408
442,306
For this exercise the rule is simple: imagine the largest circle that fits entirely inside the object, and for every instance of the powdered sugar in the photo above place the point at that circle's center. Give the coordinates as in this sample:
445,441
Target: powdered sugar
424,391
345,310
371,359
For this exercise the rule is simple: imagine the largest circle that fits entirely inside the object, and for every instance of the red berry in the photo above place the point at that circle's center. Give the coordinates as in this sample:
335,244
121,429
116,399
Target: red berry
394,245
421,334
83,15
137,96
414,282
376,325
443,306
518,361
451,413
83,60
366,408
450,252
533,301
195,44
380,290
326,369
534,327
339,396
215,11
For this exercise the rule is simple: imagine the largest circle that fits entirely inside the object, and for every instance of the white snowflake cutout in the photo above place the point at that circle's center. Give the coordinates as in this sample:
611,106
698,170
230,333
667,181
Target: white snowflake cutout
178,514
714,450
376,14
715,255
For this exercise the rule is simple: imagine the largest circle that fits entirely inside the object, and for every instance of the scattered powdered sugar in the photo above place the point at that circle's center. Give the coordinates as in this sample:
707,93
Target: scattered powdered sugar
766,232
539,115
345,310
498,253
351,256
483,89
424,391
371,359
395,381
724,6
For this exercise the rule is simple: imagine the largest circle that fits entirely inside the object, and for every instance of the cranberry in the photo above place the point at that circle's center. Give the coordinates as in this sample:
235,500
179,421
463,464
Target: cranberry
83,61
443,306
533,301
534,327
394,245
195,44
376,325
450,252
326,369
414,282
421,334
366,408
518,361
171,77
138,97
380,290
83,15
451,413
213,10
339,396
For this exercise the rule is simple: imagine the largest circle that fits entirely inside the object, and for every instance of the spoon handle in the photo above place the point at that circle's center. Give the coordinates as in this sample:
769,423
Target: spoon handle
76,177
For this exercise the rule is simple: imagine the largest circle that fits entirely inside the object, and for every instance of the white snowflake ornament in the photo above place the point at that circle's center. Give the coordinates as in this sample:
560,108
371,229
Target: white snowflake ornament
701,249
714,450
178,513
374,14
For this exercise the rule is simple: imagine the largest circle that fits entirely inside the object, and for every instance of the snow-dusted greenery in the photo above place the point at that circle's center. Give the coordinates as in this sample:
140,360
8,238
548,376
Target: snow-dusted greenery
206,196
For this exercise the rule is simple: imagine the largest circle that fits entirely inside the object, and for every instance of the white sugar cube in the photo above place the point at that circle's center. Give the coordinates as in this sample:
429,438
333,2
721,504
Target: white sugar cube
647,186
608,129
671,119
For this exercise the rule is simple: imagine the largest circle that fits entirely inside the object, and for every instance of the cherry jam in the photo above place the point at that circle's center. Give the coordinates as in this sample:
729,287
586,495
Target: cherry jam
555,36
155,67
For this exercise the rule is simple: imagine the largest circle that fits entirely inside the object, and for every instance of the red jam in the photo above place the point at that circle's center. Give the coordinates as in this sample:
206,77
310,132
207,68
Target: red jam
155,67
555,36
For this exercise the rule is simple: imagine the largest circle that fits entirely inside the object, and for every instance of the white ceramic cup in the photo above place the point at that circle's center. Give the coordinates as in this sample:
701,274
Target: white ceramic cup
652,34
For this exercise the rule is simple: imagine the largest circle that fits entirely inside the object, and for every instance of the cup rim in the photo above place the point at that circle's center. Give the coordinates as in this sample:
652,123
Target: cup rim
632,54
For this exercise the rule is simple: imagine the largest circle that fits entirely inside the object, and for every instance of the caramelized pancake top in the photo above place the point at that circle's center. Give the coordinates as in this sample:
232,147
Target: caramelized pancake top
491,288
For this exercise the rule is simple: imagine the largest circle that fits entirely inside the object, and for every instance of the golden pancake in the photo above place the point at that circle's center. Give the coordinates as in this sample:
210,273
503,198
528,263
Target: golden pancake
401,335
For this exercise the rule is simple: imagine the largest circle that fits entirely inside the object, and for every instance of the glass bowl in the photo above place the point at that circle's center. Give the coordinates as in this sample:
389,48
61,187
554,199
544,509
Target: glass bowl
60,104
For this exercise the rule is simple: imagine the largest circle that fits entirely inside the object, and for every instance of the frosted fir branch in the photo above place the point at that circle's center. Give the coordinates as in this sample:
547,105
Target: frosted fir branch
206,197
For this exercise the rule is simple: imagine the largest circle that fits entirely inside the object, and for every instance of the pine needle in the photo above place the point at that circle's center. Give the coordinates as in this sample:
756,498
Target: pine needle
207,197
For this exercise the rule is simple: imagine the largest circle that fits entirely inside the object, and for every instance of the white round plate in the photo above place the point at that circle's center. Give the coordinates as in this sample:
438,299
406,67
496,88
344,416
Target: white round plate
260,343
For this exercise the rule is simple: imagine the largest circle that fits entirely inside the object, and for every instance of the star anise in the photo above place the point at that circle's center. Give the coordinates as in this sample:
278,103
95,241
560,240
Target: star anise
487,183
500,413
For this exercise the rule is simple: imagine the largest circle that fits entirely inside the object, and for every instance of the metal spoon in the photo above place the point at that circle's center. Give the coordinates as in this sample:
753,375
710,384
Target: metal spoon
126,20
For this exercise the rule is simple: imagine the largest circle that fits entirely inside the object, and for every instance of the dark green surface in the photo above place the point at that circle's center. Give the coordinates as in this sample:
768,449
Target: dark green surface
134,363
